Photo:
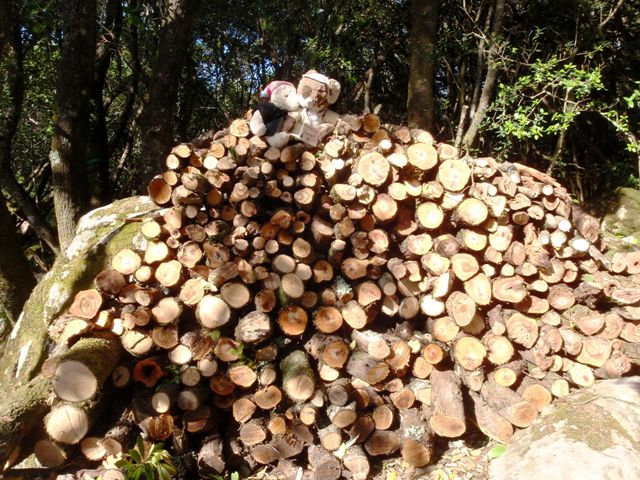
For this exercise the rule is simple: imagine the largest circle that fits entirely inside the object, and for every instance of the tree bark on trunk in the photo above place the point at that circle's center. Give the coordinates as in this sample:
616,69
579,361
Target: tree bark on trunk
16,277
12,76
98,150
157,122
72,129
421,104
489,81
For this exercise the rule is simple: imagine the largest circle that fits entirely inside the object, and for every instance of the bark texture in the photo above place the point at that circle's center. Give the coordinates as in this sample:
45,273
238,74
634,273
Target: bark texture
19,415
72,130
16,278
490,78
157,122
11,98
422,102
101,234
25,407
98,151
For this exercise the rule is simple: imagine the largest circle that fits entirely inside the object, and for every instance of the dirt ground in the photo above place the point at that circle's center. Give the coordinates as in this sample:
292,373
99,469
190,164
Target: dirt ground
455,460
460,459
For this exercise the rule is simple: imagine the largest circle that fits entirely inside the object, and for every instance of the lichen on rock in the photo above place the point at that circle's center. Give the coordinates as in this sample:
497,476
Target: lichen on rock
620,227
590,435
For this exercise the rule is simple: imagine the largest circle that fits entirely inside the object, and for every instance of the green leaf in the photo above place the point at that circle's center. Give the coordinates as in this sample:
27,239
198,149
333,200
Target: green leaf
235,476
148,472
140,445
135,455
125,465
496,452
169,468
163,474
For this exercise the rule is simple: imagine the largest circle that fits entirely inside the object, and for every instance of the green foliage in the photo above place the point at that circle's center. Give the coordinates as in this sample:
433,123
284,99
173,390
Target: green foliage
242,358
496,452
172,376
340,39
231,476
544,101
548,99
149,462
239,350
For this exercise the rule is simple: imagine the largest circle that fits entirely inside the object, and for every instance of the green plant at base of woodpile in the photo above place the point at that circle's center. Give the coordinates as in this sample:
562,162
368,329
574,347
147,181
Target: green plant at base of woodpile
151,463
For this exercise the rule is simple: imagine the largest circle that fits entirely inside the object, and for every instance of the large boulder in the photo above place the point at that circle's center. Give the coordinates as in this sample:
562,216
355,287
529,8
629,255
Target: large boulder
621,226
590,435
101,233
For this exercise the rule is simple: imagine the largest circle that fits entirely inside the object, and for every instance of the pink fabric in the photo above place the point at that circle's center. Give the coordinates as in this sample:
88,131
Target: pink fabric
272,87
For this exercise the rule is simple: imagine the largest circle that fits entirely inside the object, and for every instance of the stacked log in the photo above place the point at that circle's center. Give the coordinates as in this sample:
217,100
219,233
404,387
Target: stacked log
349,298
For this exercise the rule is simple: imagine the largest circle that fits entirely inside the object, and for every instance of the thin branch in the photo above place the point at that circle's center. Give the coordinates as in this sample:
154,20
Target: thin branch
609,17
367,91
461,123
356,91
8,125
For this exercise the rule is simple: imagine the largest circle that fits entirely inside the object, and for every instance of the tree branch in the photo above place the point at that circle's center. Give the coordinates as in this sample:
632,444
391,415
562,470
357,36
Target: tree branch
489,81
12,60
375,64
127,111
609,17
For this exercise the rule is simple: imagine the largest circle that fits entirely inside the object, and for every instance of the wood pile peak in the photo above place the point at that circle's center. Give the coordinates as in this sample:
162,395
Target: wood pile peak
332,306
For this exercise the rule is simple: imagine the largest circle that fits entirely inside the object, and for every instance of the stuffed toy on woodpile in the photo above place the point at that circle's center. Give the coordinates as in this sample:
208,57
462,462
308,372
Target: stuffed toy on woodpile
316,92
278,99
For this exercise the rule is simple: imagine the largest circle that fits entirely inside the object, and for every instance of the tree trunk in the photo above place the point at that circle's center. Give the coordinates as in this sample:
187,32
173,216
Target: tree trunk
422,103
16,278
72,130
12,76
122,133
490,79
98,149
157,122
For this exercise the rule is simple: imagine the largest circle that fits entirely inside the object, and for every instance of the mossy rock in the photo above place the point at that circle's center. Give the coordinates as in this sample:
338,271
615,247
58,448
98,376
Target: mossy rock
621,226
101,233
590,435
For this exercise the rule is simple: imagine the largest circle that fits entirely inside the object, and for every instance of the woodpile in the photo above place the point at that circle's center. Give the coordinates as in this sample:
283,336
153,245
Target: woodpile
345,303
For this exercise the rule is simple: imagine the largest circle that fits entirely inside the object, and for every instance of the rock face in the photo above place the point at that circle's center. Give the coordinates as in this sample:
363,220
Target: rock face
101,233
590,435
622,225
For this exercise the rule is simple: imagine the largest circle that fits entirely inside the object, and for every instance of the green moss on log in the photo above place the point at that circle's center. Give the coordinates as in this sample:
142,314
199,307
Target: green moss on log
100,235
575,417
298,380
20,413
101,365
24,408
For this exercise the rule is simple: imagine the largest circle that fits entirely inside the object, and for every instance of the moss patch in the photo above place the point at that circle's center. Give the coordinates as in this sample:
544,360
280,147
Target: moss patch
621,226
100,235
582,420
